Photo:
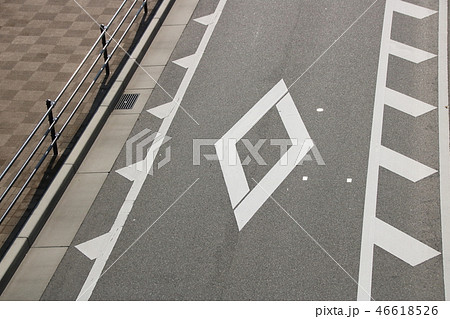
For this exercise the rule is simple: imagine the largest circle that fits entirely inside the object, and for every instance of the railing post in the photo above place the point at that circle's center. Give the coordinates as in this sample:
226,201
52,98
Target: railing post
145,7
52,131
105,52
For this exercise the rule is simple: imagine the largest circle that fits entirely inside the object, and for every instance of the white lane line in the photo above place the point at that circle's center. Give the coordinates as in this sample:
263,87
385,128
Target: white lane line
381,156
140,175
131,141
194,60
406,103
444,138
370,201
409,53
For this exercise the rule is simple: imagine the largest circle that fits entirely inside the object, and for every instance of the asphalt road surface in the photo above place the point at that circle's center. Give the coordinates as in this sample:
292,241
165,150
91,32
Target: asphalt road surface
303,162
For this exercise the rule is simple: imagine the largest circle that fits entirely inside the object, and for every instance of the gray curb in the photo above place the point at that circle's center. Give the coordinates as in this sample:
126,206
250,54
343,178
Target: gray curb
30,231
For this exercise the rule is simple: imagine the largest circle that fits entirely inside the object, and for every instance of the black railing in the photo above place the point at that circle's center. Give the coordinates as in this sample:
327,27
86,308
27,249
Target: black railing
51,104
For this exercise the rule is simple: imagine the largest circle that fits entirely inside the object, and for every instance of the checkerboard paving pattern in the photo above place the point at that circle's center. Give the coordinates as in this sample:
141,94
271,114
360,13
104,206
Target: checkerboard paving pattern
42,42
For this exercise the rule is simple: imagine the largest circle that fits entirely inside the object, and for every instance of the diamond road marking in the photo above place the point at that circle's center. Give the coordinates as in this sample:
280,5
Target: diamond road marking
245,202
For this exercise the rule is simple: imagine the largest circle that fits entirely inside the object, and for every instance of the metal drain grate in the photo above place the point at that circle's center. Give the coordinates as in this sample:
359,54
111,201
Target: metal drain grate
126,101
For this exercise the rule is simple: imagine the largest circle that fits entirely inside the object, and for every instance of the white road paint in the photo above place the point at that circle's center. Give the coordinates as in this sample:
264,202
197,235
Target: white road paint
249,202
382,156
206,20
102,248
408,52
319,110
401,245
406,103
412,10
305,178
349,180
130,142
132,171
444,137
233,172
92,248
162,111
187,62
403,165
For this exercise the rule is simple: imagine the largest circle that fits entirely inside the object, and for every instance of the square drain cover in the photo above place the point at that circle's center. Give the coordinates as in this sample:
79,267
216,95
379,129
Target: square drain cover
126,102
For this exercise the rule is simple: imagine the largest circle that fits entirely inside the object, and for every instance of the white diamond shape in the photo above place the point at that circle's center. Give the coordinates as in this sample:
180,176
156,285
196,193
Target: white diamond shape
245,202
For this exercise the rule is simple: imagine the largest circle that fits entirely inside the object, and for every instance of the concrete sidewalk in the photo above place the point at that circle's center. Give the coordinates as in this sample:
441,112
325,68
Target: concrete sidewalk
42,44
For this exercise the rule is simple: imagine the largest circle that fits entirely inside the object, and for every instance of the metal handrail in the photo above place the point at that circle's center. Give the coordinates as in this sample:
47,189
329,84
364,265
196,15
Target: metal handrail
51,104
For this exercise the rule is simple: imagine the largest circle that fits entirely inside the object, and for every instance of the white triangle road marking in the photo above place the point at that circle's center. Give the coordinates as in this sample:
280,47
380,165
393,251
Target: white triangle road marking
401,245
163,110
206,20
93,248
403,165
412,10
409,53
186,62
406,104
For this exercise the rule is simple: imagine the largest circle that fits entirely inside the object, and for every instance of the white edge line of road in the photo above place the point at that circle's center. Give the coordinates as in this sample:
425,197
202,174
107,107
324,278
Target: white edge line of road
30,231
97,269
444,139
370,200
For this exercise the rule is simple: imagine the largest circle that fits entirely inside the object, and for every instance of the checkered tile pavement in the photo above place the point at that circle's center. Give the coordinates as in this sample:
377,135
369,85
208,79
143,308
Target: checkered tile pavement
42,43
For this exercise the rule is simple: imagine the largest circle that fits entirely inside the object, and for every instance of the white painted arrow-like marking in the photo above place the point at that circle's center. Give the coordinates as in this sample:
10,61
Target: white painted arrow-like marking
187,62
401,245
134,170
139,178
129,172
372,232
162,111
412,10
406,103
206,20
92,249
409,53
403,165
